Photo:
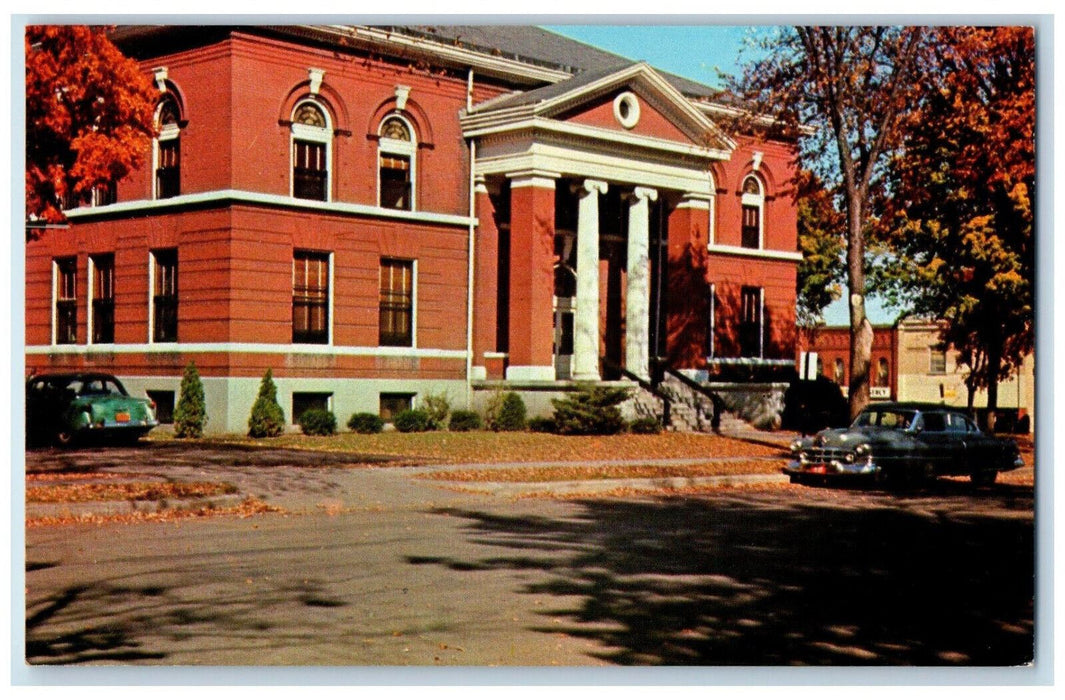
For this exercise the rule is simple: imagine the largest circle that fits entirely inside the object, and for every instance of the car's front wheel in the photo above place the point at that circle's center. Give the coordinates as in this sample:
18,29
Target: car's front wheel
983,478
64,437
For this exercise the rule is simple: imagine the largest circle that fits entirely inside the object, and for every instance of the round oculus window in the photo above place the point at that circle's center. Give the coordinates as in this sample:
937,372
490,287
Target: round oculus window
627,109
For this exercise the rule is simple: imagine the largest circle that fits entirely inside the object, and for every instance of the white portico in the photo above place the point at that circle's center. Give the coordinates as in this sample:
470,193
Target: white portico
579,177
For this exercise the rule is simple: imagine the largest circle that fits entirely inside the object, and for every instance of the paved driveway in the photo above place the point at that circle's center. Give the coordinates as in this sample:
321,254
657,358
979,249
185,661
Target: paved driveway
378,568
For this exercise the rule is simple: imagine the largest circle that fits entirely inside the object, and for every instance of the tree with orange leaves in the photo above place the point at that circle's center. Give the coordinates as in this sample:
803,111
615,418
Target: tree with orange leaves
961,217
89,118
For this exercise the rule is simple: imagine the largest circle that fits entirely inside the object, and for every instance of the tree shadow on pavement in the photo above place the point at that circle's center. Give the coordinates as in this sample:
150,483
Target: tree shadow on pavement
756,579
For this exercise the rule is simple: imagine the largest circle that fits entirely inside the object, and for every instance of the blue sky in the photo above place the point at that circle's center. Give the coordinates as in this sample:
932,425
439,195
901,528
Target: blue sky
690,51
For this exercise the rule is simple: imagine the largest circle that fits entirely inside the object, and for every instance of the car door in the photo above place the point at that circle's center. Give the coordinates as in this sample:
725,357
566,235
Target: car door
937,441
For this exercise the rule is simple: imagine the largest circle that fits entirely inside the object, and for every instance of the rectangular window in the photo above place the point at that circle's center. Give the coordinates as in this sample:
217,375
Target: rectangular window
310,297
103,298
393,404
751,226
165,296
66,301
168,171
397,302
164,405
307,400
395,182
751,322
937,360
309,170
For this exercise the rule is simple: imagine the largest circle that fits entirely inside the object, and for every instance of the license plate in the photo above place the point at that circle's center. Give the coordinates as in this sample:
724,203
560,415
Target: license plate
816,469
122,418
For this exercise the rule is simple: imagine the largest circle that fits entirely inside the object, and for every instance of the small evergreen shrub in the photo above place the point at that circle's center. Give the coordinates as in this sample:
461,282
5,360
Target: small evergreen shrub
592,411
413,420
318,421
267,417
463,421
541,424
190,414
511,413
438,408
366,423
646,426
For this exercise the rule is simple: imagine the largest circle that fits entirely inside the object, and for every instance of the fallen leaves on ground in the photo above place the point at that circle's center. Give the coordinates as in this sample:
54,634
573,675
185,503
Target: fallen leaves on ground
610,471
248,507
128,491
485,447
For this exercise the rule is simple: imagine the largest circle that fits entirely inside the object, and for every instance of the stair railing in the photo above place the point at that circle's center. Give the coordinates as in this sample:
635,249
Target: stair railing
667,401
719,405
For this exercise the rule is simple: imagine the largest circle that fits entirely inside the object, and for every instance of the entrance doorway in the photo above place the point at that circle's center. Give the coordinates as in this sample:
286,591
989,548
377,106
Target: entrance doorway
563,307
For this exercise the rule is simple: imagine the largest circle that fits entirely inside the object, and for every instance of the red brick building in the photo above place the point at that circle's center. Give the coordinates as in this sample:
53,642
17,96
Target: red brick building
377,214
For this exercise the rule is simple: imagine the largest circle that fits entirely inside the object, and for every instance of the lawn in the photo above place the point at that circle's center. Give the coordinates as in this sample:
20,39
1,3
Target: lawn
488,447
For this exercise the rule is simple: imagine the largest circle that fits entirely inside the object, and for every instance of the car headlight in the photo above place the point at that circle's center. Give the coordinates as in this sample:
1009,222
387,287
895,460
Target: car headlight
848,457
802,455
796,445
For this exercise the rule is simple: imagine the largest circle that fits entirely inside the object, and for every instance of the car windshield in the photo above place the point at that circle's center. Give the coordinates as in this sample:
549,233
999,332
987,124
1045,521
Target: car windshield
882,418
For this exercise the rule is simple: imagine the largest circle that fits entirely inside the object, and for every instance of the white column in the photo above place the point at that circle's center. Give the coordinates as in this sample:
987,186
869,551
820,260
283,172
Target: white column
638,289
586,316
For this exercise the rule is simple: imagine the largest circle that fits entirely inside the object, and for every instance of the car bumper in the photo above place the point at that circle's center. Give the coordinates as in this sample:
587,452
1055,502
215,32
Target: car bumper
832,468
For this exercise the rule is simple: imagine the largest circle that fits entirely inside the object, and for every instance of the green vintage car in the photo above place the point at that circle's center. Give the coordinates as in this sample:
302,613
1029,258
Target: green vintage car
904,443
66,408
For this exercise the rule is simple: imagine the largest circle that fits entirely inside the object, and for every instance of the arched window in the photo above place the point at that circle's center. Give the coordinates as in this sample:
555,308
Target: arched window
838,374
752,203
882,372
311,151
168,149
396,164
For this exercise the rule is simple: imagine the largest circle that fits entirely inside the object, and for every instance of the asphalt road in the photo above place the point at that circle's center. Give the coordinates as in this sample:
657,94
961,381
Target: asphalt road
372,567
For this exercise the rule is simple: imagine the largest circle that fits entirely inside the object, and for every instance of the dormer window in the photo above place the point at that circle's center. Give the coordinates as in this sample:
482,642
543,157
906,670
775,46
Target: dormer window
168,150
311,146
752,202
396,163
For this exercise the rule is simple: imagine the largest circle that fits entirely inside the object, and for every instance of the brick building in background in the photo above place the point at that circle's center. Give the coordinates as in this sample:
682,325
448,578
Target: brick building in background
910,363
376,214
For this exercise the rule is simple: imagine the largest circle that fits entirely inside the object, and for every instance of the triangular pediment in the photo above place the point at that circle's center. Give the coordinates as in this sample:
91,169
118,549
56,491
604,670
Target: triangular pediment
633,100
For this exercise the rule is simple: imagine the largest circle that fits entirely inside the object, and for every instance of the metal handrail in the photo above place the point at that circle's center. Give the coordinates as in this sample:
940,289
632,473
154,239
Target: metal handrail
687,381
645,385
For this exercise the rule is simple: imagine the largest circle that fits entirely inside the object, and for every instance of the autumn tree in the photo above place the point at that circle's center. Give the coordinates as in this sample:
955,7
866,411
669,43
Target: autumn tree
821,241
963,183
847,88
89,116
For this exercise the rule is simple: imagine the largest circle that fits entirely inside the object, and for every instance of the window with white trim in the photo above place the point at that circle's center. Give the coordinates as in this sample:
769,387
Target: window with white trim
311,151
168,149
310,297
164,306
102,296
752,204
396,163
65,329
752,301
397,303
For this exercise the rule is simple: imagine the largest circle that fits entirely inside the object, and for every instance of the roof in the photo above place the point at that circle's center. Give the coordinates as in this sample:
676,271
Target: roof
542,47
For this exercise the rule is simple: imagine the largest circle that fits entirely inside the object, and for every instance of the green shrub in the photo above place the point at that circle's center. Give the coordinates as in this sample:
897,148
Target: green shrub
366,423
190,414
318,421
541,424
646,426
591,411
267,418
438,408
413,420
464,421
511,413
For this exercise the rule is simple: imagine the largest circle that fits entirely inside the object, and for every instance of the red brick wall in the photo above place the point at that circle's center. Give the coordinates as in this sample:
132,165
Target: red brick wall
651,122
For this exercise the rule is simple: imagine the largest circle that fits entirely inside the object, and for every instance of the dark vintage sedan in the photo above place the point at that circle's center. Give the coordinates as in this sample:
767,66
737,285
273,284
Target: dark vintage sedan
64,408
904,443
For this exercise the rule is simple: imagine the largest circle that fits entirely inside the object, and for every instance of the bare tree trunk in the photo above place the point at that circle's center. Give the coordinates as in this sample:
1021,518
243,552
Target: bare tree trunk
861,330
